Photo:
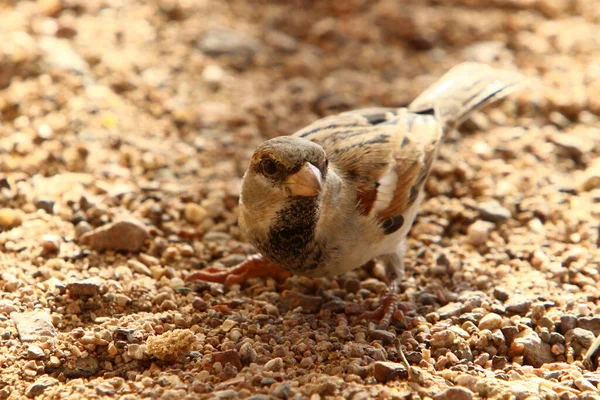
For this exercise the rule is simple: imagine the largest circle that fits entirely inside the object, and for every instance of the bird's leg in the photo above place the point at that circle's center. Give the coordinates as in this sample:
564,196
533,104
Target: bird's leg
394,268
255,265
390,308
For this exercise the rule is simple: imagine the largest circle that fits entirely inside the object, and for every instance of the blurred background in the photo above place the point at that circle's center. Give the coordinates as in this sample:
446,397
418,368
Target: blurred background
151,109
78,78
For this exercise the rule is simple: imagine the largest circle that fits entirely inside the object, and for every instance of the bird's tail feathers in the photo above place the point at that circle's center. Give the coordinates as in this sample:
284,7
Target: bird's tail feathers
465,89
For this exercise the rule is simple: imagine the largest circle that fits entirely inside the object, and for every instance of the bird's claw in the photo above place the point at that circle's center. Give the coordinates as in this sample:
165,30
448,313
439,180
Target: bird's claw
389,310
255,265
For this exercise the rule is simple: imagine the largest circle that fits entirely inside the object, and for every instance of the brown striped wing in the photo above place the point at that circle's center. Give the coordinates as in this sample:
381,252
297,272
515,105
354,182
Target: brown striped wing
420,136
367,144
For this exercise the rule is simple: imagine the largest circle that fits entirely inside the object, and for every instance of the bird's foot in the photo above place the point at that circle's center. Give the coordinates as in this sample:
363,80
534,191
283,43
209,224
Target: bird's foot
390,309
255,265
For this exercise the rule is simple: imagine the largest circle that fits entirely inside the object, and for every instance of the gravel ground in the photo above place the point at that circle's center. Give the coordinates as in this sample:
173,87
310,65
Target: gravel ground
125,127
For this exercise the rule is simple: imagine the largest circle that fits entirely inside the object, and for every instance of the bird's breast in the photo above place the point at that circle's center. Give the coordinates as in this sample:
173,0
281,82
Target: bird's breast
291,239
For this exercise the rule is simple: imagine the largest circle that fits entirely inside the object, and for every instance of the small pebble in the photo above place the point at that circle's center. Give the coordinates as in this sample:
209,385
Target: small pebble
128,235
10,218
275,364
385,371
7,306
227,325
493,211
105,388
294,299
46,205
228,357
121,300
34,352
194,213
199,304
490,321
50,244
82,228
148,260
139,267
385,336
33,325
450,310
352,285
501,293
88,287
248,354
40,386
567,322
479,232
168,305
534,351
518,304
282,390
454,393
583,384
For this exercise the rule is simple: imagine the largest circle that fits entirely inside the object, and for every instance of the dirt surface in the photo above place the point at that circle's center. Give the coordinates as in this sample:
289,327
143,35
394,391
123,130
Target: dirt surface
125,127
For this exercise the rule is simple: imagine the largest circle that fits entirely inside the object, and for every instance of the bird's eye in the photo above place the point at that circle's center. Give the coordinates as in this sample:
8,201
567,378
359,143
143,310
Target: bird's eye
269,166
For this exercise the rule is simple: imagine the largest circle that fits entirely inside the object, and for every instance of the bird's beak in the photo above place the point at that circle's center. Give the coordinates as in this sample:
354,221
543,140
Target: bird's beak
306,182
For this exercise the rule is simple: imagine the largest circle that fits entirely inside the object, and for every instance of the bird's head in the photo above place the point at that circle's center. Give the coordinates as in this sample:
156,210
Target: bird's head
282,171
286,167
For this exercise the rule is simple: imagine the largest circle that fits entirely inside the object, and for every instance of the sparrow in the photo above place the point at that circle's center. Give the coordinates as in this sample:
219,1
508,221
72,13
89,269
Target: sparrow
346,189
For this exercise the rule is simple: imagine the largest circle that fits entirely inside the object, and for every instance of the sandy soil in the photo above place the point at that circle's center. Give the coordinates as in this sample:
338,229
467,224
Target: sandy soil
125,127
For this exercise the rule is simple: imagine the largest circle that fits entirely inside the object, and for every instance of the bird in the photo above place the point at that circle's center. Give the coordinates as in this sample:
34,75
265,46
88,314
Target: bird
346,189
